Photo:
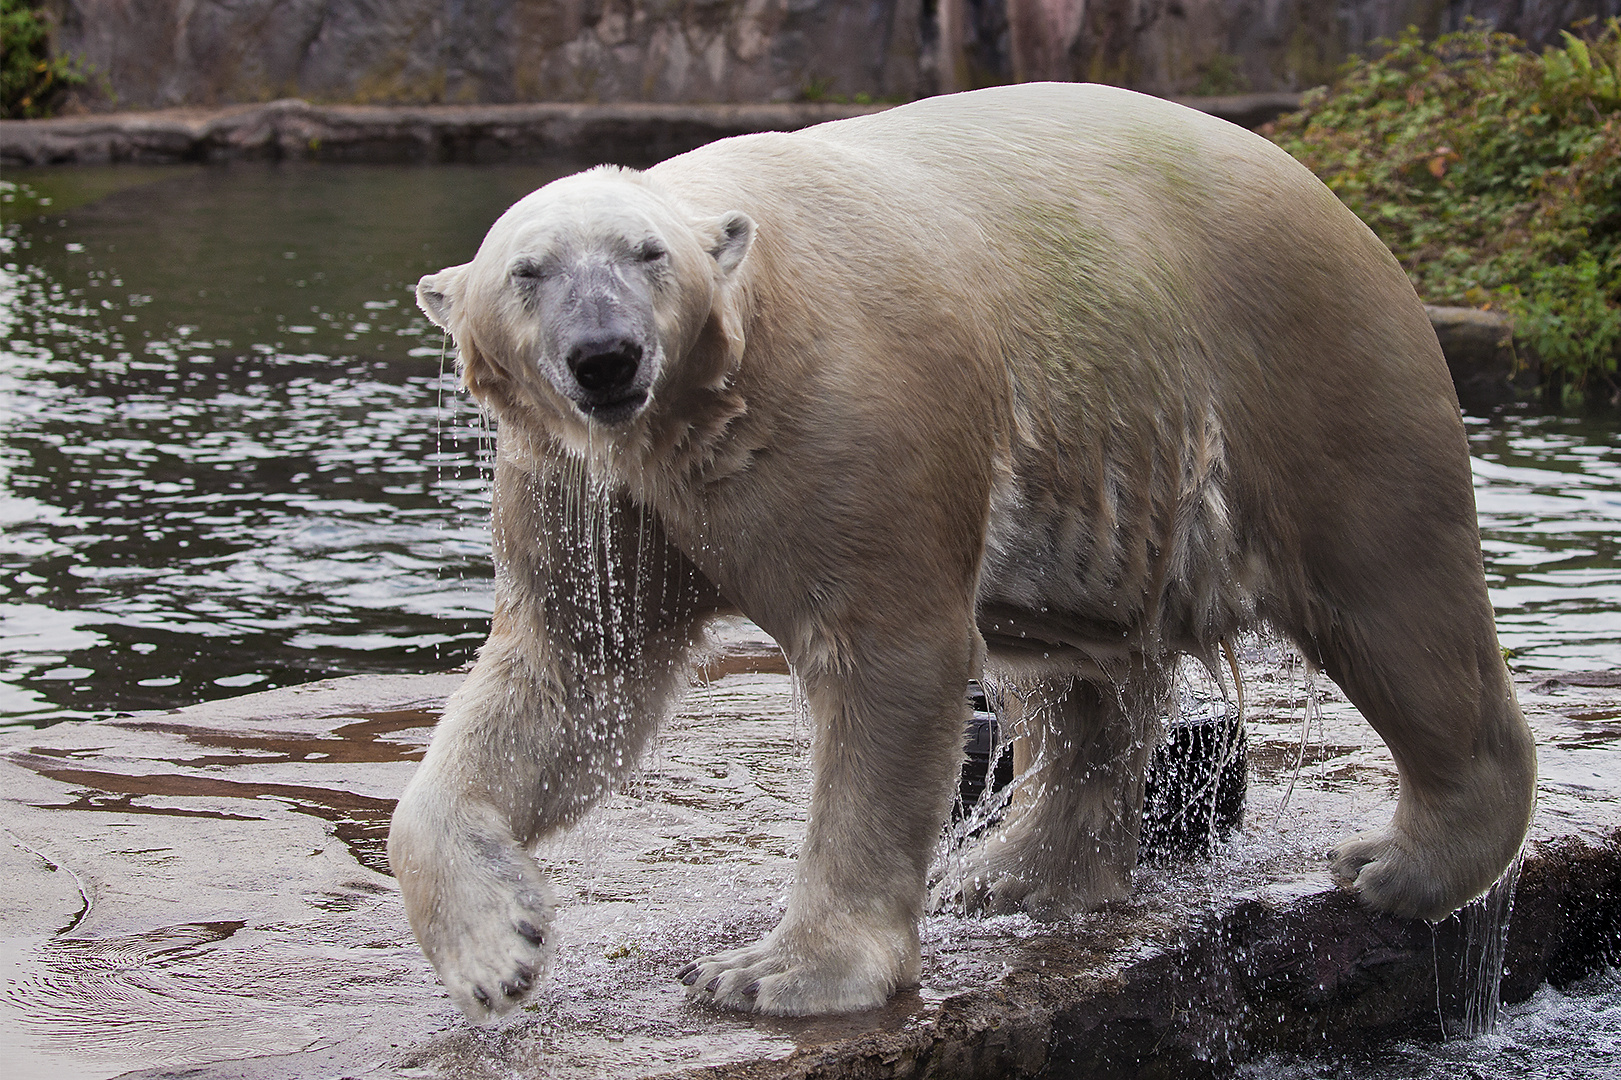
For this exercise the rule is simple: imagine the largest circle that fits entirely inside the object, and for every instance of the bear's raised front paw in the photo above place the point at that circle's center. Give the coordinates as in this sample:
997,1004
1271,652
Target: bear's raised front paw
481,913
489,944
492,965
1388,872
799,974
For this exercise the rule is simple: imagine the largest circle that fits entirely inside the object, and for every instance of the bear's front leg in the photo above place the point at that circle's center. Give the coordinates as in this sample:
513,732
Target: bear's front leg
520,752
886,751
477,902
595,618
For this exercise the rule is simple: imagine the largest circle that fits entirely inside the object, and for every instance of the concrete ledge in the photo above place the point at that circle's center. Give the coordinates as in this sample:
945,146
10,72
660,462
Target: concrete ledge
632,133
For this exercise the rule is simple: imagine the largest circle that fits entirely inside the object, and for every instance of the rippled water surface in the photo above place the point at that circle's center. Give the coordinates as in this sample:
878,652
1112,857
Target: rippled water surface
232,457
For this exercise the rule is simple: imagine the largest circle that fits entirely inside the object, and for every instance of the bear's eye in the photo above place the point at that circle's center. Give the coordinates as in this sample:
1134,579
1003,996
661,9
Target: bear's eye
650,251
530,270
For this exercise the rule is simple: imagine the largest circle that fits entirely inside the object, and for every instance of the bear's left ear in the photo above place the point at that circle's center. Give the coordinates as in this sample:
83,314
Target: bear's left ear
729,237
438,295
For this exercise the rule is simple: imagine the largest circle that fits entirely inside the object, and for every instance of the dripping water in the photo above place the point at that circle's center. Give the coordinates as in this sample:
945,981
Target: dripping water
1313,713
1485,923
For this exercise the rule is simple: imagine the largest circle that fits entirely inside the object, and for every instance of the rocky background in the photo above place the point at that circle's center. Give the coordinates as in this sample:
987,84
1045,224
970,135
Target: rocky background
163,53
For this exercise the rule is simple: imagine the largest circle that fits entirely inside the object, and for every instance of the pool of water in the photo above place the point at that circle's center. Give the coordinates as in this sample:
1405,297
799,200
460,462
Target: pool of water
233,457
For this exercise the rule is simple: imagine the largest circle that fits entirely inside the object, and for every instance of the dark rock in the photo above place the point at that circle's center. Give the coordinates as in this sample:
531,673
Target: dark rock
1194,794
1479,347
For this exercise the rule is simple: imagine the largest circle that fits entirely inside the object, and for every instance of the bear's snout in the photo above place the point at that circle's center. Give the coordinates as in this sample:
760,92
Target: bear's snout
605,370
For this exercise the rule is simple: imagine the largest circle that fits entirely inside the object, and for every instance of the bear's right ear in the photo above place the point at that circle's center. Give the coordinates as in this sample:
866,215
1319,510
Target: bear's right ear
731,234
439,295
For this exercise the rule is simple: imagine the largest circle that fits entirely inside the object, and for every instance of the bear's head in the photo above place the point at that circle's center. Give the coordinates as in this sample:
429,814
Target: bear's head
587,300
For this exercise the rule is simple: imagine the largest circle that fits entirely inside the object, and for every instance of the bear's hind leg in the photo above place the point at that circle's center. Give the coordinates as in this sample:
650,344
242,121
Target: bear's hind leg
1427,673
1069,843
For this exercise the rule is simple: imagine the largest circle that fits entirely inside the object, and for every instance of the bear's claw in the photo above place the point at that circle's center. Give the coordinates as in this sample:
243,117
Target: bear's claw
479,905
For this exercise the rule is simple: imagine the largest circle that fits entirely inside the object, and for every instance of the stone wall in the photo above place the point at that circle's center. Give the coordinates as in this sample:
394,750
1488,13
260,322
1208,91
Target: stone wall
1192,47
159,53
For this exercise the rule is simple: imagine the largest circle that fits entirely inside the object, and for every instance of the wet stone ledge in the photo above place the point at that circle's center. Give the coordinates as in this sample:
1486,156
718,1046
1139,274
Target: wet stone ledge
204,893
632,133
637,134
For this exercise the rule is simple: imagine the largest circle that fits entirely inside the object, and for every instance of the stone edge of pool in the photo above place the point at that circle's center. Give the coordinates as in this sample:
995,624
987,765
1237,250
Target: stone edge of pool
634,132
1304,975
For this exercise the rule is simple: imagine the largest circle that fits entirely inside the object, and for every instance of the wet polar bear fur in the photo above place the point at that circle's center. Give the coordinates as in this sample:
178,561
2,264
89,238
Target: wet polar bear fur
1055,381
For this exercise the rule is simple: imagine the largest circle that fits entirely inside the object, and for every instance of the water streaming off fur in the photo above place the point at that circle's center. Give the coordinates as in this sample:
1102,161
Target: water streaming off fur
1572,1033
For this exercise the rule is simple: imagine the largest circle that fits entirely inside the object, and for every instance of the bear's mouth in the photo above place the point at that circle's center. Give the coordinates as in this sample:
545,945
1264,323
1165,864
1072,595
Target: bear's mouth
614,411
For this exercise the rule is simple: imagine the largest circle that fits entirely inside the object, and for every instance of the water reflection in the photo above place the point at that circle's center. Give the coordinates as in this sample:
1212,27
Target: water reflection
231,458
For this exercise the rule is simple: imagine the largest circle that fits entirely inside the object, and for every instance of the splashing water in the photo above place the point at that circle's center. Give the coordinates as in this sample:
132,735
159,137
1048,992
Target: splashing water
1559,1033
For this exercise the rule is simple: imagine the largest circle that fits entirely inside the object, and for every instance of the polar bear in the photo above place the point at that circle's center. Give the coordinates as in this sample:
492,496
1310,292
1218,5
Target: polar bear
1058,381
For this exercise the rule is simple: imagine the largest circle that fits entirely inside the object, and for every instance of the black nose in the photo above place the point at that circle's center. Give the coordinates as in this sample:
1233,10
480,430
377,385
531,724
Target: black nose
605,368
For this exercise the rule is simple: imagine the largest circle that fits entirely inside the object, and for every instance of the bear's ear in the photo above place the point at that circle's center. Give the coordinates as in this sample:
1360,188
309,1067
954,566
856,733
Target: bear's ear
730,236
438,295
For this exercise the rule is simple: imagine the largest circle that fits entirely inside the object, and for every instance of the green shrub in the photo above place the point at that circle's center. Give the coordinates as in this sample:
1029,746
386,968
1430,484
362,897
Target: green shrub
30,78
1494,175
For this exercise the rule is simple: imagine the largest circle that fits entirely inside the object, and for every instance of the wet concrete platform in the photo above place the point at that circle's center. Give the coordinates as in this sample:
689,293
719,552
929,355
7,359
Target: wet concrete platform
204,893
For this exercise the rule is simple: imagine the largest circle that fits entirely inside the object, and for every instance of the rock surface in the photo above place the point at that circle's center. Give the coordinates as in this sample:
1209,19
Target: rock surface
204,893
160,53
1486,367
637,134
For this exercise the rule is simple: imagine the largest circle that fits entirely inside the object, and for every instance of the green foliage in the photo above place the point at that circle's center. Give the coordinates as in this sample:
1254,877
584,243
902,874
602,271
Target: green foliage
1494,175
1224,74
30,78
